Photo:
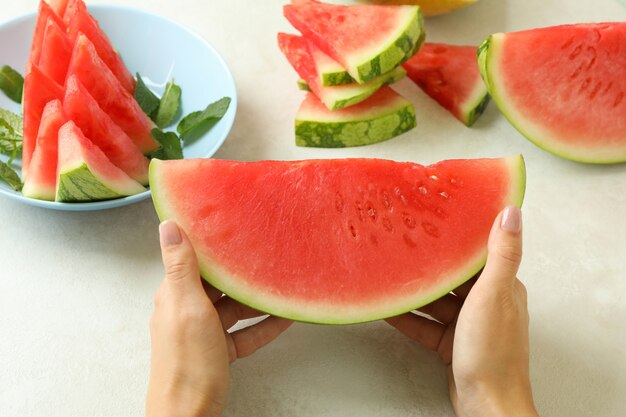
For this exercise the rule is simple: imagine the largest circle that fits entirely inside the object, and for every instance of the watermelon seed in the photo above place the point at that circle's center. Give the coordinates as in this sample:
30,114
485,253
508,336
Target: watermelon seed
575,53
434,177
404,200
577,72
423,190
409,221
386,200
387,224
431,229
409,241
569,42
352,230
608,87
593,52
595,90
618,99
585,84
444,194
371,211
397,191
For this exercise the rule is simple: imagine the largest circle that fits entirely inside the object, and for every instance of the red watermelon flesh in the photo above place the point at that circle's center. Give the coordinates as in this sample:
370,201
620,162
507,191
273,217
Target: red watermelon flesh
80,21
39,89
337,241
116,101
56,52
83,109
367,40
449,74
45,13
563,87
42,174
58,6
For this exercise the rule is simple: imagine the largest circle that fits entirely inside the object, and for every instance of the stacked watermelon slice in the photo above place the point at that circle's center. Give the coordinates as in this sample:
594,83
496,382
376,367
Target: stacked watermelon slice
345,57
85,135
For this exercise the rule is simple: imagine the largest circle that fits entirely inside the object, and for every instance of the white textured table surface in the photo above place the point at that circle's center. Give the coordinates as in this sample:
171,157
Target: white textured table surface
76,289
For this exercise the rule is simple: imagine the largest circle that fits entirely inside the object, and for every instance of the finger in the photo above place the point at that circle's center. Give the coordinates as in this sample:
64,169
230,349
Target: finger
246,341
179,259
444,310
232,311
463,290
213,293
505,248
426,332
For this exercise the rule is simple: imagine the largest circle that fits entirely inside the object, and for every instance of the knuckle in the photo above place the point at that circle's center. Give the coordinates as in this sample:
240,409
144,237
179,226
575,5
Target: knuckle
177,269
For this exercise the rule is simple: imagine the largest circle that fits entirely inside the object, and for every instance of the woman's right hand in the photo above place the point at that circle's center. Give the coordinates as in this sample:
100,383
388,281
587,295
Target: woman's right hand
481,331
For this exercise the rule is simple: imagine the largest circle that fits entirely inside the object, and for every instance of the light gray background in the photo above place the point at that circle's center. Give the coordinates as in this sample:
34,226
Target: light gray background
76,289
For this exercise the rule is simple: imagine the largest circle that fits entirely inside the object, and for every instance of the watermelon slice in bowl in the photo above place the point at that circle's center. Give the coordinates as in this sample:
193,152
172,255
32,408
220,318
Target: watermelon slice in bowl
209,79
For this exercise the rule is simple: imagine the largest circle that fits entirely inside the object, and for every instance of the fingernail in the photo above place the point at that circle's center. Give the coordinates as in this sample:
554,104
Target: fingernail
169,234
512,219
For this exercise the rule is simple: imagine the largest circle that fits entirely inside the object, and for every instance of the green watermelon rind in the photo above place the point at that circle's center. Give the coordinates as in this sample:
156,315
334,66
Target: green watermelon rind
396,53
79,184
389,124
487,59
212,272
391,77
335,78
475,106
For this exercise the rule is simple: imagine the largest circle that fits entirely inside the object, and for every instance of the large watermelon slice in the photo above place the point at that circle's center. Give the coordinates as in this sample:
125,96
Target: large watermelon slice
56,51
367,41
85,173
449,74
563,87
42,173
337,97
383,116
45,13
103,132
116,101
337,241
39,89
80,21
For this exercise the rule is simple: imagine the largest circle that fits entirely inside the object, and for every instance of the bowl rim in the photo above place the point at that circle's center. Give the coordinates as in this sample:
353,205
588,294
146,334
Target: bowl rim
229,118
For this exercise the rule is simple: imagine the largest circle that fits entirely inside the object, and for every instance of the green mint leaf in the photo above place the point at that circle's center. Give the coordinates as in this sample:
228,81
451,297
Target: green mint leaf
169,106
11,132
171,146
205,118
10,176
11,83
147,100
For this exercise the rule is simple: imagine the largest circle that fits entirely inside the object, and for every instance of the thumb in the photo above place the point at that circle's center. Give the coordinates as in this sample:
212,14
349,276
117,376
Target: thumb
505,248
179,258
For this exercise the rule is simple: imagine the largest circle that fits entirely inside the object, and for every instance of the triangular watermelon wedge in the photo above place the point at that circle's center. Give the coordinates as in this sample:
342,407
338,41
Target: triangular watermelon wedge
83,109
112,97
330,72
337,241
39,89
295,49
45,13
80,21
449,74
58,6
367,41
42,173
85,173
56,51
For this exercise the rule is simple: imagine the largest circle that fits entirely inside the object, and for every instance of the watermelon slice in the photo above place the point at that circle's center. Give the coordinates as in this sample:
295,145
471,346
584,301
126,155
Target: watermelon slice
337,241
449,74
391,77
383,116
563,87
85,173
45,13
56,51
330,72
80,21
367,41
116,101
103,132
295,48
39,89
42,176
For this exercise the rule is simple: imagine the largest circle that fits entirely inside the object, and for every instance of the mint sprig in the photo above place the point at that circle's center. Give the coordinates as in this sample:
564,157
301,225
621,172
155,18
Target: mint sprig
8,175
11,134
206,118
171,146
11,83
147,100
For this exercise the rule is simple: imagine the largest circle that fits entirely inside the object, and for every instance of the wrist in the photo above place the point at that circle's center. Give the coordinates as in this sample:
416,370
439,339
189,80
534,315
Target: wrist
501,400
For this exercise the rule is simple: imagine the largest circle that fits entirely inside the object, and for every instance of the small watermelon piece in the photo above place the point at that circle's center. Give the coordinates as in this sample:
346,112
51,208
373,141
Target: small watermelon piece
42,174
116,101
383,116
449,74
45,13
337,241
83,109
330,72
58,6
563,87
367,41
80,21
56,51
39,89
85,173
391,77
295,49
